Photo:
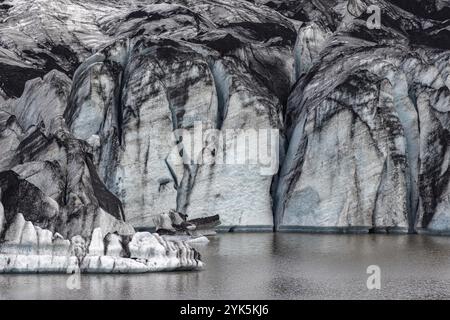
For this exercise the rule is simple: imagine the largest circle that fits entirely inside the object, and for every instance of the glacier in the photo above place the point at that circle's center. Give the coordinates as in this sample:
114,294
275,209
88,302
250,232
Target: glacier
100,105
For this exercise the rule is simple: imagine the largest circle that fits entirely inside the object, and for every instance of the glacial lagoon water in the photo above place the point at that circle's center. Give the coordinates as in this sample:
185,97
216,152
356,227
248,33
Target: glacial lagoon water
272,266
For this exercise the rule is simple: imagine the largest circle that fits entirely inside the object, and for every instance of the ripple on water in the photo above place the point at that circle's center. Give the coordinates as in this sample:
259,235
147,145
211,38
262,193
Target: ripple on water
272,266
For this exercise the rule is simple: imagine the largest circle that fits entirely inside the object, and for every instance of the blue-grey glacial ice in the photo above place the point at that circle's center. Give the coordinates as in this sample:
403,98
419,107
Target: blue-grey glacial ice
113,114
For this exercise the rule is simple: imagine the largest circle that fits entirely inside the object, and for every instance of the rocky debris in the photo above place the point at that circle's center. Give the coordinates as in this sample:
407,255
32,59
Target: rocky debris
180,223
164,225
176,224
209,222
205,226
30,249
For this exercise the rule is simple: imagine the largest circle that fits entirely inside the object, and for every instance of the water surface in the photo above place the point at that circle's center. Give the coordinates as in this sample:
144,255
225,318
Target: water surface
272,266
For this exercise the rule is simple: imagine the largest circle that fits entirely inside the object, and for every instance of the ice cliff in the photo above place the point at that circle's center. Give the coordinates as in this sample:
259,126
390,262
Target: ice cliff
93,95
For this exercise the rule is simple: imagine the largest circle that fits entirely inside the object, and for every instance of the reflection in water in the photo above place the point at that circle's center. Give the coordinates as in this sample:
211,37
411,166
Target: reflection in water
272,266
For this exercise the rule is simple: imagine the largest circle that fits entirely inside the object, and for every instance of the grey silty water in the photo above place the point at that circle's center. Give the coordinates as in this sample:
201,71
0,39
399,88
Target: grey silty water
272,266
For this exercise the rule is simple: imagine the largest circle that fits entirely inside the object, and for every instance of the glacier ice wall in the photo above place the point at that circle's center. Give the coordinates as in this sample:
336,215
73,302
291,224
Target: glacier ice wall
97,99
